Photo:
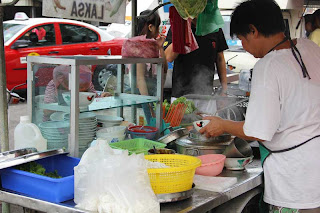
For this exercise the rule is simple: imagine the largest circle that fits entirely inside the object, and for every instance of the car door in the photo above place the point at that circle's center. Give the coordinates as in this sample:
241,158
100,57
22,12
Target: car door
78,39
26,45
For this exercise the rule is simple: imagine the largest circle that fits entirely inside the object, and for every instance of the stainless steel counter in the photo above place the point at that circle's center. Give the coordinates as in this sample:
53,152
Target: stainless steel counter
201,201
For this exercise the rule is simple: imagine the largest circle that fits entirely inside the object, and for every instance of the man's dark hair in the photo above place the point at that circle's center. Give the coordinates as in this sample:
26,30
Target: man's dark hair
265,15
309,18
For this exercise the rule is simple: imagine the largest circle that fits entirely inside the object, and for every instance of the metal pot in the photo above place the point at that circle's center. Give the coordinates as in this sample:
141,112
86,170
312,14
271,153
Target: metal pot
187,146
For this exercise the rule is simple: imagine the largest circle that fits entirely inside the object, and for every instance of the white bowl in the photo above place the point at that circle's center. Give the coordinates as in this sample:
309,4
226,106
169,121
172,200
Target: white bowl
237,163
112,134
199,124
85,98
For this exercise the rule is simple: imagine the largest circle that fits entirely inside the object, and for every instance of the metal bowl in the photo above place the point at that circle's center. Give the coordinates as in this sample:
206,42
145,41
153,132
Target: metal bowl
196,136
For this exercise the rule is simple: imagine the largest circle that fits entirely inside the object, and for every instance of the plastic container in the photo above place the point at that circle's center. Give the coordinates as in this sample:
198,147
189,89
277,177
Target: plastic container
245,80
147,132
42,187
138,145
212,164
177,178
112,134
27,134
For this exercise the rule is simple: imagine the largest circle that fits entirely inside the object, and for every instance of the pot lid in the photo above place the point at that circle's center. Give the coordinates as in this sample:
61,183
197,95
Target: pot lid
21,156
174,135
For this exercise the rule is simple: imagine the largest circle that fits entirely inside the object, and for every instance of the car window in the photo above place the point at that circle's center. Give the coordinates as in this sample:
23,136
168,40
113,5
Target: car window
9,30
43,35
72,34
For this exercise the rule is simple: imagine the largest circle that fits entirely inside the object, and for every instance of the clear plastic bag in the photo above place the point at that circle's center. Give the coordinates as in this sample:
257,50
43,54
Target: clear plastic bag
108,180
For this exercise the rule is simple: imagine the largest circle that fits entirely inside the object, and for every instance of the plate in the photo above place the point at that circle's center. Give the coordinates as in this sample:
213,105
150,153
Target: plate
57,116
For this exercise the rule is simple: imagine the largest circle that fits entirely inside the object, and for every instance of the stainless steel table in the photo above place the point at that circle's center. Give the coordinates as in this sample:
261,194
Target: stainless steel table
201,201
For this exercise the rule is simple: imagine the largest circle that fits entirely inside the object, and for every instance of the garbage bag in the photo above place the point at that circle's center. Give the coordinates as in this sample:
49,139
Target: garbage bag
108,180
210,20
189,8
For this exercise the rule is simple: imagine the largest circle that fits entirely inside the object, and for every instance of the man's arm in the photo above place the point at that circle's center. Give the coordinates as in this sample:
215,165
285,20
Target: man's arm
218,126
222,71
170,55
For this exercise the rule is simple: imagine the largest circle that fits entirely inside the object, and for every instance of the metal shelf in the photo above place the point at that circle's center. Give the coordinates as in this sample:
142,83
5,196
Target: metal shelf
121,100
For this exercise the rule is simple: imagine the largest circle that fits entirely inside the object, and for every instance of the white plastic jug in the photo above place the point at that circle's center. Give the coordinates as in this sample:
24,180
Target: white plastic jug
27,134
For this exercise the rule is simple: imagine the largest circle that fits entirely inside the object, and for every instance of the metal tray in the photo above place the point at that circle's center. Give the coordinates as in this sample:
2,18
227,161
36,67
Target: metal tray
8,155
173,197
24,157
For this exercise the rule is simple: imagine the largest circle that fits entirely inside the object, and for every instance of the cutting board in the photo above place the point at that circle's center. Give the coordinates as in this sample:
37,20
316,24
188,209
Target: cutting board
214,184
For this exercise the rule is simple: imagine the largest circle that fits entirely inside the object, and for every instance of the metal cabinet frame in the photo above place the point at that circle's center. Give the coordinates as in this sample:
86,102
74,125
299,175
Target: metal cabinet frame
75,62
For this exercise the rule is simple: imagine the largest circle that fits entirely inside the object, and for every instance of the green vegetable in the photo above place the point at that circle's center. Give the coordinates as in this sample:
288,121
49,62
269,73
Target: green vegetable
38,169
190,104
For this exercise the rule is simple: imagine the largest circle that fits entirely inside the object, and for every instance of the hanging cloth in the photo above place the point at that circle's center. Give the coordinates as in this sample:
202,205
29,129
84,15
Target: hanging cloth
183,40
189,9
210,20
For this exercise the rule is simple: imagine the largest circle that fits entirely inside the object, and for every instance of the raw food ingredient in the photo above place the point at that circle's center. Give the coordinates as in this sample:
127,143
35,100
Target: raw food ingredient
189,8
190,104
38,169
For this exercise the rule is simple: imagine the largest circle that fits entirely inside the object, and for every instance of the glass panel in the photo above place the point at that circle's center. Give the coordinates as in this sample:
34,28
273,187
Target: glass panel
72,34
47,91
10,30
43,35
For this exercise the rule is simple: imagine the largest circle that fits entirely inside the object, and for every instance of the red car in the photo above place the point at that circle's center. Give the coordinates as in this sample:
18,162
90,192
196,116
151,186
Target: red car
51,36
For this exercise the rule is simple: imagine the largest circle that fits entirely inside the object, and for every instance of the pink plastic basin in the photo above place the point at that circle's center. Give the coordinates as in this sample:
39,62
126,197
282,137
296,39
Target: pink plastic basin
211,165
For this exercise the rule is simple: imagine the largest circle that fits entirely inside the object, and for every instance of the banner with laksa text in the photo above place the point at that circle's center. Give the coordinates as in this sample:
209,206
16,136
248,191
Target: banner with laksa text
111,11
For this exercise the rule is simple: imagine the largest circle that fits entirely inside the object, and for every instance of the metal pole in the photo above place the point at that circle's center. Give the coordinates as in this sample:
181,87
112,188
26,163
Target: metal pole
133,17
3,92
134,6
3,97
3,102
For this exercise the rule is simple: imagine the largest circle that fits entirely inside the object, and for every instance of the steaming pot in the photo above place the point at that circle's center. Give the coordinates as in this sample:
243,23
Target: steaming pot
196,144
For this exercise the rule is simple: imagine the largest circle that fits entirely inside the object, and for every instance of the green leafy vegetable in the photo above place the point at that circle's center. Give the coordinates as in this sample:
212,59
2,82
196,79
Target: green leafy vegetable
190,104
38,169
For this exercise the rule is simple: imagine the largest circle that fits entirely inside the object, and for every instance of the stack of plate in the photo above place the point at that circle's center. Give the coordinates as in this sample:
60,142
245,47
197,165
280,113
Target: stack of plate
56,132
108,121
87,129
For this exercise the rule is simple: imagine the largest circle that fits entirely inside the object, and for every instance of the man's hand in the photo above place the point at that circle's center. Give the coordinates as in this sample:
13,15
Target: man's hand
214,128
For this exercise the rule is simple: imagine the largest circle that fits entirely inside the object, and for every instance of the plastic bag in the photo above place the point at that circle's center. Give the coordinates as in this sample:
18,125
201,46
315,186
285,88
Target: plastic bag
140,47
210,20
189,8
108,180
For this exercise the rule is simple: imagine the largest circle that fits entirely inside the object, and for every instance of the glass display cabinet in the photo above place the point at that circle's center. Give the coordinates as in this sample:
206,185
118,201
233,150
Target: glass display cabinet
64,112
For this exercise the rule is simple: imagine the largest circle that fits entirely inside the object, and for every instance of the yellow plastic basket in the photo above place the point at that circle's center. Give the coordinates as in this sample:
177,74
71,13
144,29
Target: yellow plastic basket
177,178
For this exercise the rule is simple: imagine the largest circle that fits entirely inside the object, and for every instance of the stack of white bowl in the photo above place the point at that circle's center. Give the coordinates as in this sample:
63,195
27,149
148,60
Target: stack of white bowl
108,121
87,129
56,133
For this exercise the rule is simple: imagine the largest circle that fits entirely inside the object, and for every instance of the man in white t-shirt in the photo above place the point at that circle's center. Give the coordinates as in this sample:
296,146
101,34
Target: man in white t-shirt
284,107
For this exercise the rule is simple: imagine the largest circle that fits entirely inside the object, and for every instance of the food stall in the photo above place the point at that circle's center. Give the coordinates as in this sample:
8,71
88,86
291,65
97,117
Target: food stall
245,182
